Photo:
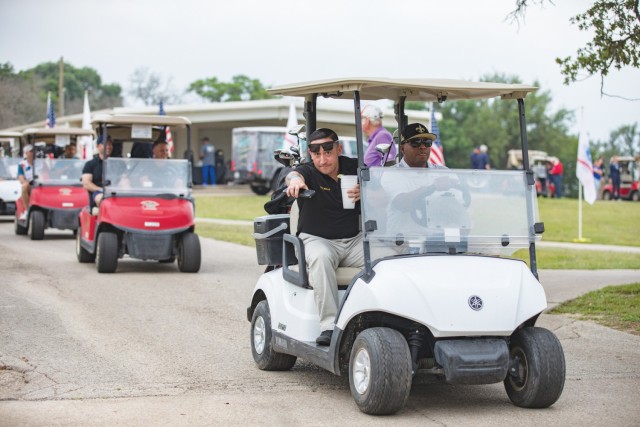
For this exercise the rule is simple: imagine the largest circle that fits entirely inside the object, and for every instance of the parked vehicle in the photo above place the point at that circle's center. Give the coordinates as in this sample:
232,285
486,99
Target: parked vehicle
10,188
439,293
252,160
539,162
148,210
57,195
629,180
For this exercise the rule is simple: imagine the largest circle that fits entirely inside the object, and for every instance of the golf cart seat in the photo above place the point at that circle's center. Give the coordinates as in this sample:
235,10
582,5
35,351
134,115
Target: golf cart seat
295,271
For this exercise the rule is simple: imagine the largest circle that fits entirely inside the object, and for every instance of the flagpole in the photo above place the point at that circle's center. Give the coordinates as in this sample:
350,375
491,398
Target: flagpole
579,212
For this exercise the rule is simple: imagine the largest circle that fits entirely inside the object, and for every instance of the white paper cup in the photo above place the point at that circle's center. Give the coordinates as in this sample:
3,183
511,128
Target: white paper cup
347,182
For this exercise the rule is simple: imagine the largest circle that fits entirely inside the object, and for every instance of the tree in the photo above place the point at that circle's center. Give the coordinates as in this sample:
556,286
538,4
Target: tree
241,88
616,42
76,82
151,88
19,100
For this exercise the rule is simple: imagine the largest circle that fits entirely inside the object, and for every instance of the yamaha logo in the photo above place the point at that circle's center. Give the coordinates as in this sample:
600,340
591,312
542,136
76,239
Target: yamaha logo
64,191
475,302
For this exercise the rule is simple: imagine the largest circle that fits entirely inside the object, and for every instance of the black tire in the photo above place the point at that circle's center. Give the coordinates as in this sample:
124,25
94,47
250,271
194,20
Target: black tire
107,252
635,196
606,195
261,348
36,225
20,230
537,378
380,372
260,190
82,254
189,253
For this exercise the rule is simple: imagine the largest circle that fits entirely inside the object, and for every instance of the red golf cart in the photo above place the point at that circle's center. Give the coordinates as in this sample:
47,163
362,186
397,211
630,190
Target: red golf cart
56,189
629,180
147,211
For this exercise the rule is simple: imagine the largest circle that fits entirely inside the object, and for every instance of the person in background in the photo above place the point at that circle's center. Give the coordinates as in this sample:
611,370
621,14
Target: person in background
598,173
92,171
484,157
556,177
372,127
208,157
614,175
25,176
70,151
330,234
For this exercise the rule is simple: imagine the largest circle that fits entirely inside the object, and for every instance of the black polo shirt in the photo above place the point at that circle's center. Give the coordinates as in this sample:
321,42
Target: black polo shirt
94,167
323,214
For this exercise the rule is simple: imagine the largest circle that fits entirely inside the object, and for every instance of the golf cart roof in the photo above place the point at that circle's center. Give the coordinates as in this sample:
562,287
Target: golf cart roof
8,134
427,90
130,119
52,132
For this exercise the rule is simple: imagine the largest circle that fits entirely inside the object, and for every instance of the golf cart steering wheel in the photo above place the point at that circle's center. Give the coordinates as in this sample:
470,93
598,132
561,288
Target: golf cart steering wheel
418,209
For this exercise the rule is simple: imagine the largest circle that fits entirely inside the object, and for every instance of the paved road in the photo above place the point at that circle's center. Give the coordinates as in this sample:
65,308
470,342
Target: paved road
151,346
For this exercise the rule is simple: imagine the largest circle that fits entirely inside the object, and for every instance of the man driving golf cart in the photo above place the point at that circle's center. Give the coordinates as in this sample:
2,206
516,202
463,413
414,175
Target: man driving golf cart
329,232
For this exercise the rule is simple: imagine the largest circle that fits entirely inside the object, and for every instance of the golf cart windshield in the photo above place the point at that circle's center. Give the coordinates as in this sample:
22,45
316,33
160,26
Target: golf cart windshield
417,210
9,167
147,176
59,171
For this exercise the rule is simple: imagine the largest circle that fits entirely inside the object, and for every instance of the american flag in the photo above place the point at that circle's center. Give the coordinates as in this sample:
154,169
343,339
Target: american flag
167,130
51,117
437,154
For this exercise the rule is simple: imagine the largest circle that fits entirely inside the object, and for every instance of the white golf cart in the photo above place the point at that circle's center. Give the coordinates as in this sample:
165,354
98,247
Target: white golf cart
10,188
439,294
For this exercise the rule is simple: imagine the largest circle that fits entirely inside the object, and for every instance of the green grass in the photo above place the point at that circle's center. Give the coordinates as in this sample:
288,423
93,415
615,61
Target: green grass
614,306
563,259
608,223
231,207
241,234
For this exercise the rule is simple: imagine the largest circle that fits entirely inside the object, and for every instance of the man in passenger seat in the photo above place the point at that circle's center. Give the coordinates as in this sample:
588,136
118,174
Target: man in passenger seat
330,233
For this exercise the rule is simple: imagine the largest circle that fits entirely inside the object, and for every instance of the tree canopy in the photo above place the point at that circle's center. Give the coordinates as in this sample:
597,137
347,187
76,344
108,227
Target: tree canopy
24,93
615,44
240,88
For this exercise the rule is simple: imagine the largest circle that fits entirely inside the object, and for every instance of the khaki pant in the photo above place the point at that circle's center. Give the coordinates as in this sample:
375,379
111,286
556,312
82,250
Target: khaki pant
323,257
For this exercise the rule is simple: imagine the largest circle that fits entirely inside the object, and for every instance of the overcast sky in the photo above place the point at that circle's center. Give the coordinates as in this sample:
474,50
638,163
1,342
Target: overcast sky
286,41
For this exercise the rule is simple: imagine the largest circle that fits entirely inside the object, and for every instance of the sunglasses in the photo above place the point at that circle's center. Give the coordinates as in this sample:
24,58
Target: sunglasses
416,143
326,146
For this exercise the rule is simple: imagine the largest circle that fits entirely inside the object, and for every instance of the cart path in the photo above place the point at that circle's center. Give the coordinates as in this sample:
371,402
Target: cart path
151,346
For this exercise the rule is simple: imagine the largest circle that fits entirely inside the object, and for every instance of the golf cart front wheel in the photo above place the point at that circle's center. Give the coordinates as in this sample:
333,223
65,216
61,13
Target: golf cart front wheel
189,253
107,252
380,372
537,370
36,225
263,353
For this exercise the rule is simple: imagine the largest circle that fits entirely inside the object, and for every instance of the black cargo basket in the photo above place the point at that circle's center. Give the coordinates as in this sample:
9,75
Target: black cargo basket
65,219
149,246
268,232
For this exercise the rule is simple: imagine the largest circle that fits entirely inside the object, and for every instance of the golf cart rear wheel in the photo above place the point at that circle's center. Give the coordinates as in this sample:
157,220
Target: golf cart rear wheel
36,225
537,372
606,195
20,230
189,253
82,254
380,372
107,252
635,196
261,348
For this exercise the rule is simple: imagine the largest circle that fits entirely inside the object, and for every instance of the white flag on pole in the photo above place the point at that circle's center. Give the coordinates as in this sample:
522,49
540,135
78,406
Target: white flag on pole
292,121
584,168
86,142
